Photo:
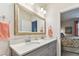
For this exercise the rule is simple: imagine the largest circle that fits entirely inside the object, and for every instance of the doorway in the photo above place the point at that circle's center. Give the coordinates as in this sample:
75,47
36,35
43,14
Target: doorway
70,32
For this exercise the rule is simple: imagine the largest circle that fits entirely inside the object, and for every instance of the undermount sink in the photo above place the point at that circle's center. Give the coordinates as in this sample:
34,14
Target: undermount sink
32,42
38,41
35,41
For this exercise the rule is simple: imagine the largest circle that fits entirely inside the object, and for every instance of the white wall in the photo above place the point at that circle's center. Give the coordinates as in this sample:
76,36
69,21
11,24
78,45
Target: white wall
53,19
7,11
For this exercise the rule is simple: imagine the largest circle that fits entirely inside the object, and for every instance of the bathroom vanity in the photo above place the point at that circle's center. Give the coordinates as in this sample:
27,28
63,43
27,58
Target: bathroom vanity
42,47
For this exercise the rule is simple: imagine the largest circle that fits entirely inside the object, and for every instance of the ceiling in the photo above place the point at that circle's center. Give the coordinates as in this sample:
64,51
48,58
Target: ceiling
60,6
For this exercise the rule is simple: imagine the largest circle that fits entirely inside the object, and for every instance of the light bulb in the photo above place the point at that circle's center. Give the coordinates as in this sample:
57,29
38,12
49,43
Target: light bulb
42,9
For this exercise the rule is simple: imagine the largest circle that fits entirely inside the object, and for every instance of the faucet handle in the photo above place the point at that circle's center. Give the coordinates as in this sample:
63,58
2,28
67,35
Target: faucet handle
27,40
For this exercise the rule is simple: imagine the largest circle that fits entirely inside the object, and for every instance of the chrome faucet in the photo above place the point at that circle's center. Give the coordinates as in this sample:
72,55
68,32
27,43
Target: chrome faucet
28,40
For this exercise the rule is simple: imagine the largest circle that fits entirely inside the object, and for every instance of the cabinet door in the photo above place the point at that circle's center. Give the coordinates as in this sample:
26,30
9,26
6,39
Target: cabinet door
52,48
42,51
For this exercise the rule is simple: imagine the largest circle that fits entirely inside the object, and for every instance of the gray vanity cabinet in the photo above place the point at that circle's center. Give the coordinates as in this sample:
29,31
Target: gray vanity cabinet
42,51
46,50
52,49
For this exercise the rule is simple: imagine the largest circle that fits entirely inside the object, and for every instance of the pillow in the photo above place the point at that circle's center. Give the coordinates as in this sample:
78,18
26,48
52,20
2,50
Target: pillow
76,43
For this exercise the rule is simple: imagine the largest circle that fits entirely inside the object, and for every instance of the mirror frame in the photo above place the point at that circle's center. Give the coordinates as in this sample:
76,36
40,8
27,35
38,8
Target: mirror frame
16,32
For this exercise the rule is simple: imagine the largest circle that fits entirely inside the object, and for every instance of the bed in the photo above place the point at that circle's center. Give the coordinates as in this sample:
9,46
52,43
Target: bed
71,45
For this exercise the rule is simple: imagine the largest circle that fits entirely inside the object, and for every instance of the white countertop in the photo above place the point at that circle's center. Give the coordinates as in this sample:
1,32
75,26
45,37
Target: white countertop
24,48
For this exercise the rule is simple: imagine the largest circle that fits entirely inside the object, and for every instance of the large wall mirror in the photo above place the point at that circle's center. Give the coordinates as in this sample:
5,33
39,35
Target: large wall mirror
27,22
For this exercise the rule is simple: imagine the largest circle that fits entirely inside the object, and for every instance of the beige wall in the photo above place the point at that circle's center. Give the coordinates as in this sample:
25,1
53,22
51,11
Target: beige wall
7,11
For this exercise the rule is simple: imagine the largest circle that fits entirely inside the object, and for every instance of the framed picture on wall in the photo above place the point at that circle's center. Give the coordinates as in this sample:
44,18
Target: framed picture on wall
68,30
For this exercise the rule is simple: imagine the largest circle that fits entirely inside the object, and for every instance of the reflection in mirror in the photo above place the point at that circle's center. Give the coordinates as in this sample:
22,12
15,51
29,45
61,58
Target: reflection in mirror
24,22
27,22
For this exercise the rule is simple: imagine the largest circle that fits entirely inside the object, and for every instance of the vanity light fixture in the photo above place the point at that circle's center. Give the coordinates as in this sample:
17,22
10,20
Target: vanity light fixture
43,11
